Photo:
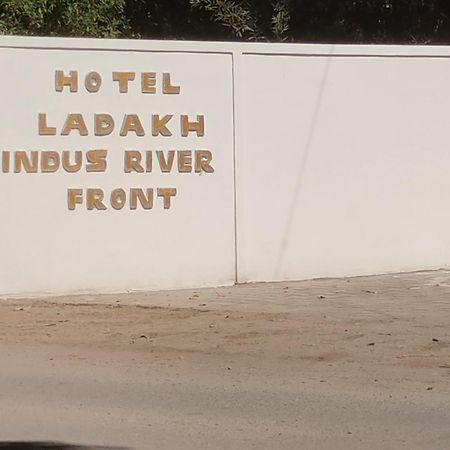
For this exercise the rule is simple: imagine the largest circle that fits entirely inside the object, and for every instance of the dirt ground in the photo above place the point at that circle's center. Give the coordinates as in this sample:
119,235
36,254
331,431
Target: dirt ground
361,363
391,330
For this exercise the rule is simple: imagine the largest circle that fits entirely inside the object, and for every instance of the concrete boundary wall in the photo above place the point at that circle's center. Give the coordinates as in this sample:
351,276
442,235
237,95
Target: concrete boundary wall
323,161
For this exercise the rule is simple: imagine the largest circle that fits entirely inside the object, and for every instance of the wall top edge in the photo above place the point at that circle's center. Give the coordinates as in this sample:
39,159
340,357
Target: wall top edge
245,48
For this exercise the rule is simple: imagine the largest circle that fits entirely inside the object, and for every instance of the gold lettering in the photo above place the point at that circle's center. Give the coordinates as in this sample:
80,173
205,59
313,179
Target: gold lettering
92,82
5,162
97,159
68,166
21,159
196,127
104,124
50,161
70,80
74,122
159,125
118,198
145,201
165,165
131,122
133,161
203,160
95,199
184,161
167,194
74,197
123,78
148,82
45,130
168,88
149,162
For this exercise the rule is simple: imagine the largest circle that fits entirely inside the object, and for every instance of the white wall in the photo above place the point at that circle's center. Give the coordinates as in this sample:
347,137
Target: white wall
47,248
329,161
343,167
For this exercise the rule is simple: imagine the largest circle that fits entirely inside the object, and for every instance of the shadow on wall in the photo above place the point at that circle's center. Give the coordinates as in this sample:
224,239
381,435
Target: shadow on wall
52,446
294,204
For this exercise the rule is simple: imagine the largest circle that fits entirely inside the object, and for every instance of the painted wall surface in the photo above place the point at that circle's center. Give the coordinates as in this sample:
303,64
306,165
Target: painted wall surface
344,165
328,161
46,247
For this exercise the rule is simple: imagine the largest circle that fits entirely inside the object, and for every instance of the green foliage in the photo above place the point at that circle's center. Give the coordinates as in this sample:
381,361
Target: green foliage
238,18
281,19
169,19
371,21
250,20
100,18
346,21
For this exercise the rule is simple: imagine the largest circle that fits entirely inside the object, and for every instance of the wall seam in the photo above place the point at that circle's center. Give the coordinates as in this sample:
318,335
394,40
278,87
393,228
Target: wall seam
236,269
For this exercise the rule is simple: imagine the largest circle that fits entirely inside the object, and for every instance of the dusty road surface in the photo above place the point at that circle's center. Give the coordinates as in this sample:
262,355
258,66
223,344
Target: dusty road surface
360,363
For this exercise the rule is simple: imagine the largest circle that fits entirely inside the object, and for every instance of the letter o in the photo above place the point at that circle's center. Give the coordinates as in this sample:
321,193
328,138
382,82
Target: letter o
93,81
118,198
